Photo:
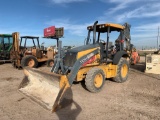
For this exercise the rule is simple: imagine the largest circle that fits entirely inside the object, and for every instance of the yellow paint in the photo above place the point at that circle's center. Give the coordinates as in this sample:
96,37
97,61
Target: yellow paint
109,71
82,73
64,82
113,25
98,80
97,56
124,70
85,52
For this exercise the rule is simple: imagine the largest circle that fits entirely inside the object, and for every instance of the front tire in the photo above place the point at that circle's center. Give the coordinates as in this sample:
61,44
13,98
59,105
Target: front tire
50,63
122,71
30,61
95,79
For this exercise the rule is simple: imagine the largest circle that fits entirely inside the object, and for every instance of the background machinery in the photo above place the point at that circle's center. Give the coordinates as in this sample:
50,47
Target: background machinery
5,47
90,62
134,56
152,63
125,44
23,55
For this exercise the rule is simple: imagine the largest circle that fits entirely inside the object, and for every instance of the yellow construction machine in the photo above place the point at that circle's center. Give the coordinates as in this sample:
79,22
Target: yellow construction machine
23,55
89,62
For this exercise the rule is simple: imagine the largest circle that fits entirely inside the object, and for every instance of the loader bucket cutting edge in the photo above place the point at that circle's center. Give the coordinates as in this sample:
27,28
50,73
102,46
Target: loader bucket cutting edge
43,87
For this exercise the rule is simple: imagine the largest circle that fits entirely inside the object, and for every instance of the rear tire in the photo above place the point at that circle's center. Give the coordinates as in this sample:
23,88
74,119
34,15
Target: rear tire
30,61
50,63
95,79
122,71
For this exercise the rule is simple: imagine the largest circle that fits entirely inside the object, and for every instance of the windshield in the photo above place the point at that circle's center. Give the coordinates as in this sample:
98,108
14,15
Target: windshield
102,37
27,42
6,42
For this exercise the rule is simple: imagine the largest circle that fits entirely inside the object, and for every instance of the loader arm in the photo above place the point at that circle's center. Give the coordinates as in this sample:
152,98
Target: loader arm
74,70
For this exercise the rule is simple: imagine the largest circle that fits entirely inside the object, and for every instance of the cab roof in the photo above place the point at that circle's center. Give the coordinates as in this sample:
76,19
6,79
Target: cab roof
103,27
29,37
6,35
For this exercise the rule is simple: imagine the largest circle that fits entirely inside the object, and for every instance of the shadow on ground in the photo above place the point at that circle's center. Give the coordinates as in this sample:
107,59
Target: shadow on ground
68,109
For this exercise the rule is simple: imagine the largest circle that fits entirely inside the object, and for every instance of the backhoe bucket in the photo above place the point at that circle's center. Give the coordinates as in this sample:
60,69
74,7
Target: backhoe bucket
48,89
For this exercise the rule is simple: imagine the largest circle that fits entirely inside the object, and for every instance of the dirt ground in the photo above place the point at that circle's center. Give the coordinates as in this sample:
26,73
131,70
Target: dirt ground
136,99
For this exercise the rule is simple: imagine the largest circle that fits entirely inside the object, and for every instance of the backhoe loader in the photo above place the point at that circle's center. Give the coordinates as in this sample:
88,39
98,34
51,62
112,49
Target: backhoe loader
23,55
89,62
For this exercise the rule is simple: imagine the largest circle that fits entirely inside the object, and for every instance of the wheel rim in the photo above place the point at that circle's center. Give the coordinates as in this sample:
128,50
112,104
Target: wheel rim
98,80
51,63
124,70
31,63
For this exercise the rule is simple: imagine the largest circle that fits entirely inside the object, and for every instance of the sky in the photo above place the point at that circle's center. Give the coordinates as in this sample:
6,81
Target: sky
30,17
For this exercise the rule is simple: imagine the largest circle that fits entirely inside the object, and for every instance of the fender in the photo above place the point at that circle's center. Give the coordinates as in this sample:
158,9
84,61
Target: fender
118,56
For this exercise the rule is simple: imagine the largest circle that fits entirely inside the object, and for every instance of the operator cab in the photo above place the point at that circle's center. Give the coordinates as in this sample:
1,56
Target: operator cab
6,41
104,45
101,30
35,41
30,48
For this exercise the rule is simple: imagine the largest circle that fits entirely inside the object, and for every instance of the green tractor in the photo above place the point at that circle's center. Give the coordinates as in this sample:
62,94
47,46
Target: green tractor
6,41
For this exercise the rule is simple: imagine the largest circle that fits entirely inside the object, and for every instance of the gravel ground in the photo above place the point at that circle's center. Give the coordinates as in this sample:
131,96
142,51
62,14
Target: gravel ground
137,98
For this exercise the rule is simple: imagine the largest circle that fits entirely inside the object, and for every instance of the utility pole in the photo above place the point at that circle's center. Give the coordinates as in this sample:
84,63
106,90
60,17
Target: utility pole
158,40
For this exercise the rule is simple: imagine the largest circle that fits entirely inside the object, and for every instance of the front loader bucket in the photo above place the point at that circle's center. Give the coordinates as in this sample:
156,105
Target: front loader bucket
44,88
